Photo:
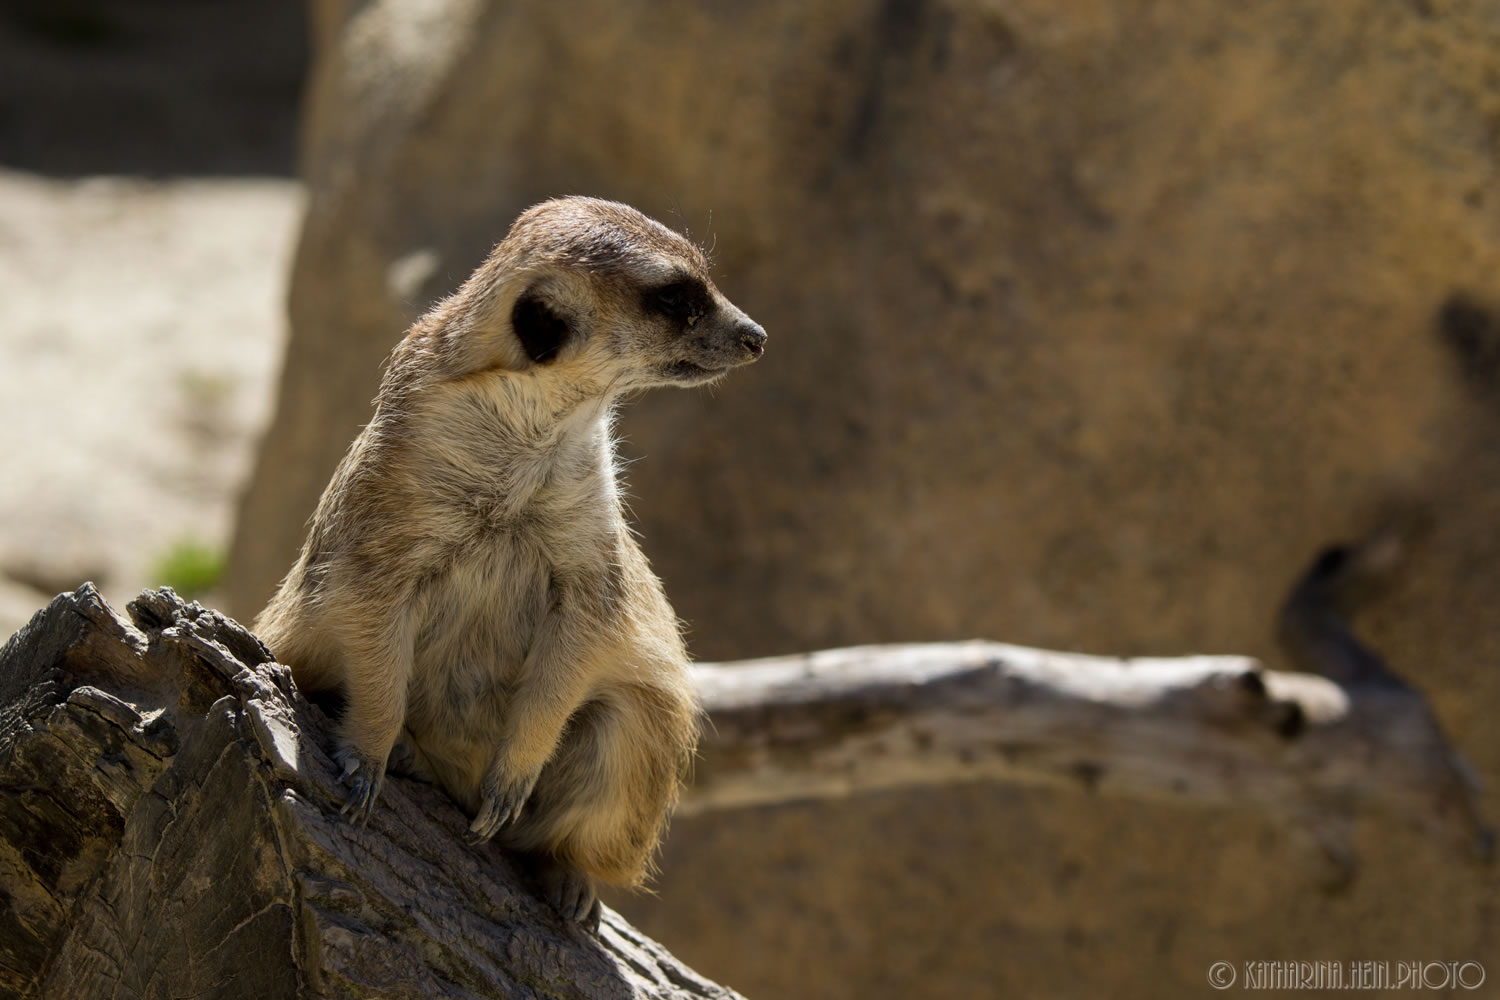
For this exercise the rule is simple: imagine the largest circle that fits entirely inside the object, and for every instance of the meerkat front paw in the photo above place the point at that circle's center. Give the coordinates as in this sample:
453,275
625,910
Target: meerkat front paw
364,778
503,800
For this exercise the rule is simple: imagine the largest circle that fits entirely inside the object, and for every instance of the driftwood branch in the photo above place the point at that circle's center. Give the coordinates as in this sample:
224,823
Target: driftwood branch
1211,729
1315,750
168,828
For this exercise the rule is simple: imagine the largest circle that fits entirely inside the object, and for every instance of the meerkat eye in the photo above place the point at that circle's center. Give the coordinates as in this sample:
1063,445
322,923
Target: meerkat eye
681,300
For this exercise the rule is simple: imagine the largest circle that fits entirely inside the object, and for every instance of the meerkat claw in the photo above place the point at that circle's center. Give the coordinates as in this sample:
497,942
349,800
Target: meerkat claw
501,806
363,780
357,803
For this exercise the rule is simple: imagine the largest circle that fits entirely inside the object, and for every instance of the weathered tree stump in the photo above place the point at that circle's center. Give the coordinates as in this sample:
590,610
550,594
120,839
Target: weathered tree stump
167,829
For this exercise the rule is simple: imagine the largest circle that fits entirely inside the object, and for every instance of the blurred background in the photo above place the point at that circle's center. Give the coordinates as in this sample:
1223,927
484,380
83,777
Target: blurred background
148,211
1090,324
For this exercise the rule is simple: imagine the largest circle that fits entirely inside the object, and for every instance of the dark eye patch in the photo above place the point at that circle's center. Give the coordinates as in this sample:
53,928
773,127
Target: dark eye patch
683,300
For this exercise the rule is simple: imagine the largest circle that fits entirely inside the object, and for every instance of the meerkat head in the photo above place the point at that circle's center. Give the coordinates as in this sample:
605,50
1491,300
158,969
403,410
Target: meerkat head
596,293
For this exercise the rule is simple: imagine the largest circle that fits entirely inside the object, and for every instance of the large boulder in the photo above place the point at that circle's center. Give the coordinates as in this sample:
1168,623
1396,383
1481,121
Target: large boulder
1089,324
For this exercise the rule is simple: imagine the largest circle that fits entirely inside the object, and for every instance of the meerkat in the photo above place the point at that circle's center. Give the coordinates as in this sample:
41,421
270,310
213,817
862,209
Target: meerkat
469,581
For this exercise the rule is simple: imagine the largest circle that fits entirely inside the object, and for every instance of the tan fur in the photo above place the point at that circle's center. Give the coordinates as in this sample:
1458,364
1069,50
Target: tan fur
469,580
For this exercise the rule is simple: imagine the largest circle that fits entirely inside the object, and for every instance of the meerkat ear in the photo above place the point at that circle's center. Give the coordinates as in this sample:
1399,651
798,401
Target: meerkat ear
540,328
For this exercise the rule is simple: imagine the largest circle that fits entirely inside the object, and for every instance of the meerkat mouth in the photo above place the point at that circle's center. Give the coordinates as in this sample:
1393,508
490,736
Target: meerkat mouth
687,371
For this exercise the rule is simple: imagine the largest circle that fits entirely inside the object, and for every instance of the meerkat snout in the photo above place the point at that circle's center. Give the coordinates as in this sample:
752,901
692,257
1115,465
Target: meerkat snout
753,339
703,332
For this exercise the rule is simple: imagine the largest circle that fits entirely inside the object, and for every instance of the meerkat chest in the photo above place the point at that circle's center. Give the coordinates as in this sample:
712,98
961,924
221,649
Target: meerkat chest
482,609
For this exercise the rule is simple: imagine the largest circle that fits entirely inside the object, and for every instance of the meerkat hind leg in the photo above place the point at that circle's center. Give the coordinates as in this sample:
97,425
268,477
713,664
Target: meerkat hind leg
597,811
569,891
408,761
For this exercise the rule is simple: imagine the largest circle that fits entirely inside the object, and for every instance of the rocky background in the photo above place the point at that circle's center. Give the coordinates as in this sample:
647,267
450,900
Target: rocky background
1089,324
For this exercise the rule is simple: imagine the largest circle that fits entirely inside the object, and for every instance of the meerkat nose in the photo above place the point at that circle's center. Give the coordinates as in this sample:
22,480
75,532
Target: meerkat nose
753,337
